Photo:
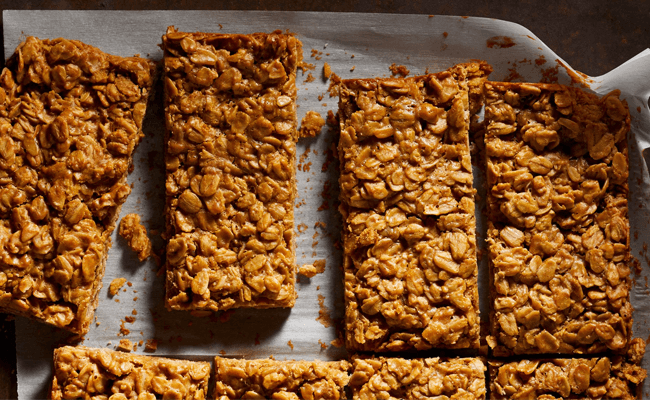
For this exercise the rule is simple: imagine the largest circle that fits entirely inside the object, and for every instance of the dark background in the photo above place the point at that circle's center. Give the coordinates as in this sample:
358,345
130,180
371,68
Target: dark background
593,36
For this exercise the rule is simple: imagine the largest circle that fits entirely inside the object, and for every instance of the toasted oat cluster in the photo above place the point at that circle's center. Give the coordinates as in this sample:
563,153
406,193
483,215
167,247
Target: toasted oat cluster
559,231
281,380
424,378
87,373
578,378
408,207
230,106
136,235
70,118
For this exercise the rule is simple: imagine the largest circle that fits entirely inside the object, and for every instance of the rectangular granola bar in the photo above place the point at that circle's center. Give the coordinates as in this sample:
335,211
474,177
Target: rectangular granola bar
578,378
84,373
410,269
70,118
420,378
230,109
272,379
558,234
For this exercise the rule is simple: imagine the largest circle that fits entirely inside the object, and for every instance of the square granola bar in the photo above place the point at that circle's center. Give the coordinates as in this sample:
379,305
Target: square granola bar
87,373
570,378
404,142
420,378
410,281
408,206
230,109
558,235
272,379
70,119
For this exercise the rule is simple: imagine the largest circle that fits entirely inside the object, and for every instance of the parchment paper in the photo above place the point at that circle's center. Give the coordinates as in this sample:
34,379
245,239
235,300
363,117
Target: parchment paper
369,43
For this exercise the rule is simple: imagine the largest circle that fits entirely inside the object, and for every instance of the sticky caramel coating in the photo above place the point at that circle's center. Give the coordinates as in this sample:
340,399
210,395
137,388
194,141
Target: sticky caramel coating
70,119
280,380
558,233
230,107
87,373
419,378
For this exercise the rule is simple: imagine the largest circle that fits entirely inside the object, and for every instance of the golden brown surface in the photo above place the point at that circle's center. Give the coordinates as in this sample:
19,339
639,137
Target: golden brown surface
408,207
136,235
280,380
423,378
404,142
230,158
70,118
587,378
87,373
559,231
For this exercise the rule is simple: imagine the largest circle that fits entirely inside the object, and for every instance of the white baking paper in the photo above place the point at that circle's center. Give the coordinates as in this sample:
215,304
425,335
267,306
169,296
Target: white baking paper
355,46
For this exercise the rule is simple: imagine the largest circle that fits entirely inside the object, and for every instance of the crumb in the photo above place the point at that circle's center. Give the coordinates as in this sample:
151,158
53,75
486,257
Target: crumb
97,323
305,66
125,345
352,56
220,26
334,85
353,67
309,78
134,312
337,343
129,319
320,97
331,118
302,227
135,298
327,71
324,312
290,344
123,330
323,346
311,270
116,285
398,70
136,235
311,124
151,345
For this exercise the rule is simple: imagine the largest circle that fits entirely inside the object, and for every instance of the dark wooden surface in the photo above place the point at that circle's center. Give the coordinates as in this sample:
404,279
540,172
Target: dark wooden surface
593,36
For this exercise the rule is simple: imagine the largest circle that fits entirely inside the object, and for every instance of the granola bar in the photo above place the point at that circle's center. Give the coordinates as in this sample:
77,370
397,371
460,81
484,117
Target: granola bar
577,378
558,229
420,378
70,118
272,379
410,282
230,106
87,373
410,269
404,142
